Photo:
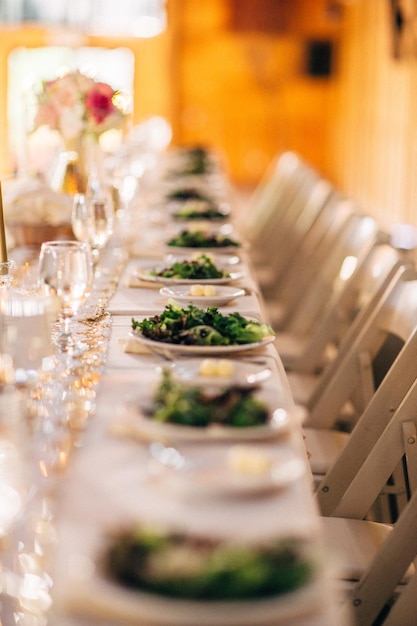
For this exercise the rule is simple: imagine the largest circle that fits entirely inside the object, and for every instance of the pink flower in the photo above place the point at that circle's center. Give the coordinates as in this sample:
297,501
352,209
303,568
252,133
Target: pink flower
47,115
99,102
74,104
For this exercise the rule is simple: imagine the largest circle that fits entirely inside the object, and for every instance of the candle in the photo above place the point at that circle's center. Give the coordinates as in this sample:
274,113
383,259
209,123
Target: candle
3,247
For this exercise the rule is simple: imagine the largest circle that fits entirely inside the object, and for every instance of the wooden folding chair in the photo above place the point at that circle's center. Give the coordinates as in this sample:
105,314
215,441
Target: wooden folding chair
404,610
302,300
356,446
393,318
282,214
330,213
379,557
283,292
286,233
311,359
272,197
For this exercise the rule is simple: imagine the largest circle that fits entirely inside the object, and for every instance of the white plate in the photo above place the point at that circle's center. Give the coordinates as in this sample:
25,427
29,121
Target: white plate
103,599
175,348
220,249
177,206
145,274
223,295
243,374
210,471
134,423
220,260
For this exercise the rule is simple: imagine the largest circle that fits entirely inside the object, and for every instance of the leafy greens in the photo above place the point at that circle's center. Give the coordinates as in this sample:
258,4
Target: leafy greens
200,239
179,403
198,567
204,327
199,210
201,268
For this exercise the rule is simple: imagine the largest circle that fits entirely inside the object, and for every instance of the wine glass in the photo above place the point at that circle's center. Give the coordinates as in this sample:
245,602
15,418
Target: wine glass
66,271
92,217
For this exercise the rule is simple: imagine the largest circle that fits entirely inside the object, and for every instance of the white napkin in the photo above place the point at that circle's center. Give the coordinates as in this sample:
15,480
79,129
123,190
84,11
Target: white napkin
135,281
29,201
132,346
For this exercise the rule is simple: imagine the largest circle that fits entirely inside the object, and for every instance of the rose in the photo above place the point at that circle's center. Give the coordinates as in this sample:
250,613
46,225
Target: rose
99,102
74,104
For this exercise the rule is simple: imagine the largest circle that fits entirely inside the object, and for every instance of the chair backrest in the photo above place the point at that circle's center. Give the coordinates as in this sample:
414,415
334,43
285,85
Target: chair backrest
280,213
277,187
352,302
395,315
308,257
396,443
288,234
355,239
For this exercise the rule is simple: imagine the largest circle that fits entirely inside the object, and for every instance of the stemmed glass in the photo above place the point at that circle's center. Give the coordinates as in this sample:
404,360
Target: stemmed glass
66,271
92,217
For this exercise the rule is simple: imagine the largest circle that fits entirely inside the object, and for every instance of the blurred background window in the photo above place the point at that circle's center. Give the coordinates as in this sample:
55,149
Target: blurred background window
27,67
134,18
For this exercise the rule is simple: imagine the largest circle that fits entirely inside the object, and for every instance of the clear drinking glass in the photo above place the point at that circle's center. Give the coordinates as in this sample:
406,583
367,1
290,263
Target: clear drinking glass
93,217
25,333
66,271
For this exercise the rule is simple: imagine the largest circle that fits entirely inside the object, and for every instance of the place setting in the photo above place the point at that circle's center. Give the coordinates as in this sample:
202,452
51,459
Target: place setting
200,267
234,470
207,295
211,592
204,331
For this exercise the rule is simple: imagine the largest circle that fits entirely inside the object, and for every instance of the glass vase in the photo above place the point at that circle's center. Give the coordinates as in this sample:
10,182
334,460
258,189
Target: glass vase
70,173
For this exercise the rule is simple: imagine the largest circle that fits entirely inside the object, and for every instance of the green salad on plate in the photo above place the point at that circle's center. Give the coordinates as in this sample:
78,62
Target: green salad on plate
201,327
189,405
200,268
187,566
200,239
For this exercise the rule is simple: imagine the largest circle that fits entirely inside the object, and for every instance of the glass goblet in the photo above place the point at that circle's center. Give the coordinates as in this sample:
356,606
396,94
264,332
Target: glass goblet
66,271
92,218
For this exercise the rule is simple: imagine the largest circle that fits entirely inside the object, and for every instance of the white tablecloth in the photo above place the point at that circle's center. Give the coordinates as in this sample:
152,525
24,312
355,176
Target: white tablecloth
109,484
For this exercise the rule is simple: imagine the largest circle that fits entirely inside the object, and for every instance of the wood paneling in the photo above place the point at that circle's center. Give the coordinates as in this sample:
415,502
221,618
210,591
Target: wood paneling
373,147
247,92
245,88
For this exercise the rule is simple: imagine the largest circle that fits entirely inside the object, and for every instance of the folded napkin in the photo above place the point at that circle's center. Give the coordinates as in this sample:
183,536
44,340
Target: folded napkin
134,281
131,346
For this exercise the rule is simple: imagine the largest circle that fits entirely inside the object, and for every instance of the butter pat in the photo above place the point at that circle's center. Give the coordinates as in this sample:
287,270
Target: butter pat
202,290
248,460
209,290
217,367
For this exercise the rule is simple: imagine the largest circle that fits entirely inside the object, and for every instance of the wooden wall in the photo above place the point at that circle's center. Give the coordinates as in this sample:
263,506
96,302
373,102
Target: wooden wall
373,127
242,81
228,73
247,90
234,74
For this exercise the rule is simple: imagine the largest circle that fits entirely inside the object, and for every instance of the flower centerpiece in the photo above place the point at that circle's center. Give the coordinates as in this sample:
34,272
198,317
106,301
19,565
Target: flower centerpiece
75,104
78,107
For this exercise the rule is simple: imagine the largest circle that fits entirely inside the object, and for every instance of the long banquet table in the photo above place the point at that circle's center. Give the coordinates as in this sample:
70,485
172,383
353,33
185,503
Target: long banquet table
111,482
